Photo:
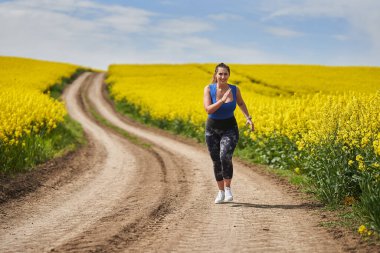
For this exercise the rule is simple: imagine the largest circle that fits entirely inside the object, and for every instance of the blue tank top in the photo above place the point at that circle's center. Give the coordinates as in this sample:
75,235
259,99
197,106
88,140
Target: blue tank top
226,111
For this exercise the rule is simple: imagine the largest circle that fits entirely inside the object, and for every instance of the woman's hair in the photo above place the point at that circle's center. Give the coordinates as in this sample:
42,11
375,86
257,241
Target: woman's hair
220,65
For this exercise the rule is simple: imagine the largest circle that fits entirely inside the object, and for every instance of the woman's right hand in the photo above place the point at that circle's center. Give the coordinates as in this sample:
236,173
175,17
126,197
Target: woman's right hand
225,96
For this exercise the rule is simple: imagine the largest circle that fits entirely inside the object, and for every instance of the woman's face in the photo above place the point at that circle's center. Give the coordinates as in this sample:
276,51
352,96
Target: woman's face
222,75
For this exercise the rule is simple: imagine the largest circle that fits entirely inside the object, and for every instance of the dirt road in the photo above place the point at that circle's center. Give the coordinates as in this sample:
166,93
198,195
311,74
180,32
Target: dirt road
127,197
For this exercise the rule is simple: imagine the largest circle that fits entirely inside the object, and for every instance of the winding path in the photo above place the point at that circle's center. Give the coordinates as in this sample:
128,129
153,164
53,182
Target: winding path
153,198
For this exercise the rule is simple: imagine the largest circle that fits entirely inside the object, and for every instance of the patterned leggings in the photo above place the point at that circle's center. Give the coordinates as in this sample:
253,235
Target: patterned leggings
221,145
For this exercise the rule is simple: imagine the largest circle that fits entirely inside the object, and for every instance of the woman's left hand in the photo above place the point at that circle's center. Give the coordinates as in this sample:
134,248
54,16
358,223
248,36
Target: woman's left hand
251,125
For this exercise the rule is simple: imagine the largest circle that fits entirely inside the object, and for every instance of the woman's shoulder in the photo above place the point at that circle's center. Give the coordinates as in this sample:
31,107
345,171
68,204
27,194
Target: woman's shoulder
209,87
233,87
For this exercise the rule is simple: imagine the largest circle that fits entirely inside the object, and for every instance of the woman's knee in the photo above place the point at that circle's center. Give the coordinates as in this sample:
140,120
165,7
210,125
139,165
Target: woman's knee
226,157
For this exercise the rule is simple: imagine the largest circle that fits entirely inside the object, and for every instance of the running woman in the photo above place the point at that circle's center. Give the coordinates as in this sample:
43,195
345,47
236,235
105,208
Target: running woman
222,133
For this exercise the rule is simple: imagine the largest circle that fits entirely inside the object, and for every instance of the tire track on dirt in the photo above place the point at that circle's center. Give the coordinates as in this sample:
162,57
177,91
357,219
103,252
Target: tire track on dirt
153,198
160,199
263,217
123,185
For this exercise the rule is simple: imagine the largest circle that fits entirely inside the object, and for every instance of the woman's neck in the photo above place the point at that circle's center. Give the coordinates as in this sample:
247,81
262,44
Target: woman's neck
222,85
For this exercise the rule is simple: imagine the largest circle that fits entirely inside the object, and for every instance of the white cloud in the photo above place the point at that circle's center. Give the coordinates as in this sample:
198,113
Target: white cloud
93,34
307,8
199,49
182,26
283,32
98,34
71,13
168,2
341,37
363,16
224,17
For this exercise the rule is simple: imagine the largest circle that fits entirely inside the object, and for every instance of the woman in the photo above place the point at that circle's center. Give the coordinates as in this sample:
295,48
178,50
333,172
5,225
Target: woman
222,134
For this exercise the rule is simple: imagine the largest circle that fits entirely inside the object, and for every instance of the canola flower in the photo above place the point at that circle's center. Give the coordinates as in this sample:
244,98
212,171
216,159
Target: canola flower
306,79
376,144
32,74
327,117
25,110
364,231
150,87
307,104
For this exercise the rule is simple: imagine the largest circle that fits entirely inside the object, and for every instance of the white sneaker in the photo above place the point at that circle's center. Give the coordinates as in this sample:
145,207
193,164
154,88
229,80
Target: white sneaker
228,194
220,198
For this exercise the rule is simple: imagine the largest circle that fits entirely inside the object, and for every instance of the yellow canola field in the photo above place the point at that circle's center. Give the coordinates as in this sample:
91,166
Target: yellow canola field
306,79
163,91
305,103
32,74
24,108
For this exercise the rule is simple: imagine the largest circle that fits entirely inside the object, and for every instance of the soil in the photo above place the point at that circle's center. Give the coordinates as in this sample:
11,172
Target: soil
113,195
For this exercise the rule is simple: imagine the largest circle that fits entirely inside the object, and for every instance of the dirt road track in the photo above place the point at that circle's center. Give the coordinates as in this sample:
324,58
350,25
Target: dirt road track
129,198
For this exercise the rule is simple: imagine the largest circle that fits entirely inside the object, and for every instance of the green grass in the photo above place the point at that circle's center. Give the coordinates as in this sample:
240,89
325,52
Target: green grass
179,127
344,217
41,147
277,152
67,137
291,177
125,134
101,120
56,90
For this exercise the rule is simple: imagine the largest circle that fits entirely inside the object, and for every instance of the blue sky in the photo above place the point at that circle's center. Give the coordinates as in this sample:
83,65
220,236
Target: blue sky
97,33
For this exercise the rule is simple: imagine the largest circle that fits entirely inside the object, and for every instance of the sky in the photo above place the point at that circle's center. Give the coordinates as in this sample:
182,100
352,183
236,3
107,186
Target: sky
96,33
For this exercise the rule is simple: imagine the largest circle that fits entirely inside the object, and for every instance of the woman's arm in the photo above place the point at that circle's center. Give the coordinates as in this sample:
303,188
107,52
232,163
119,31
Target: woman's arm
207,103
243,108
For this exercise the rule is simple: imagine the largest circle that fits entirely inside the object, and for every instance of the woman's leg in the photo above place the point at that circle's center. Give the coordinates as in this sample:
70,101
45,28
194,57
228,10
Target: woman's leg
228,144
220,184
213,145
227,183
